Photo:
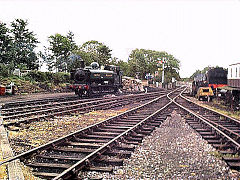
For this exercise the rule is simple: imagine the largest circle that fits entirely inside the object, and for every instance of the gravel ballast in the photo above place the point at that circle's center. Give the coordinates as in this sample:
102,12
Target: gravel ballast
173,151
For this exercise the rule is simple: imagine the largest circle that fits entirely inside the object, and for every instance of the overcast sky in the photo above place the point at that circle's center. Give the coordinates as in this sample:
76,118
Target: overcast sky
197,32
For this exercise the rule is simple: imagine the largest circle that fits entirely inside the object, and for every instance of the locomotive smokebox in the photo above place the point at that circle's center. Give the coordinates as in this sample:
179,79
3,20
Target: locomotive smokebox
79,75
82,64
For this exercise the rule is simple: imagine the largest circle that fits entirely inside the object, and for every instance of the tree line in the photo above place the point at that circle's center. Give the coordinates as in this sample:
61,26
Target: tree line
18,50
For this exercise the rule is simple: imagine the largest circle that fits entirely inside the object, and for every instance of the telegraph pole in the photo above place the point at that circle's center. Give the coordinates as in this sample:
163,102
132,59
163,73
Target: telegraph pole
163,71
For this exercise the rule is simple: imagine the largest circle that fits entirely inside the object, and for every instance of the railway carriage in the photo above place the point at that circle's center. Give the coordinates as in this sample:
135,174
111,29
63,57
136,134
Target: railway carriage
232,92
234,75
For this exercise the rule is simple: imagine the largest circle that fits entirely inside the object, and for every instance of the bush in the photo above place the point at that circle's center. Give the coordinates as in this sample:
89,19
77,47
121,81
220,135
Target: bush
5,70
61,77
55,78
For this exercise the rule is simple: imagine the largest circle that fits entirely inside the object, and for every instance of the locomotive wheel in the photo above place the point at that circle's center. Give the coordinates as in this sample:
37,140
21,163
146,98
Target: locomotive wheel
209,99
80,94
89,93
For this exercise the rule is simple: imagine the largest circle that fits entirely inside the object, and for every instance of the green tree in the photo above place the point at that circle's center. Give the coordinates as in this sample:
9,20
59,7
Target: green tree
124,66
148,61
86,57
24,43
97,52
60,49
6,44
171,67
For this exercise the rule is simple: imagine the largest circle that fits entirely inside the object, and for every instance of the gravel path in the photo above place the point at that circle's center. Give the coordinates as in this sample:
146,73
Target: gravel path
173,151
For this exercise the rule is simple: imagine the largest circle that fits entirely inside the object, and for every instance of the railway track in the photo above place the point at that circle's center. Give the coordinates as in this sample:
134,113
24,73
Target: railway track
100,145
21,103
219,130
105,144
27,114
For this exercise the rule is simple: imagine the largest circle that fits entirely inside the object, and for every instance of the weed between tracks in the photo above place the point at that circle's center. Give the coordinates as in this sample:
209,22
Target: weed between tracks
41,132
37,133
217,106
219,155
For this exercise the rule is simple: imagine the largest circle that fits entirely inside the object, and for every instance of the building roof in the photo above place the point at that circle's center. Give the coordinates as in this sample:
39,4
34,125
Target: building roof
234,64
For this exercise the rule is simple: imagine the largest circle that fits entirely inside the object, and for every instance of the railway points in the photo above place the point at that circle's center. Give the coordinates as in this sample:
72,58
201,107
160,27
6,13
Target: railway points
69,153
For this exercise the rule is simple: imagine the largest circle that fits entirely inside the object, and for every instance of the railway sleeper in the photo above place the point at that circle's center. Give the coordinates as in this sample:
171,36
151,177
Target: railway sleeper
105,133
73,149
99,168
156,122
134,134
234,165
129,121
148,128
221,146
109,160
59,157
83,145
159,119
202,130
127,147
229,126
133,139
214,141
124,123
98,136
144,132
118,153
113,126
196,125
206,133
45,175
228,152
131,142
91,140
109,129
133,117
49,165
153,124
213,137
232,158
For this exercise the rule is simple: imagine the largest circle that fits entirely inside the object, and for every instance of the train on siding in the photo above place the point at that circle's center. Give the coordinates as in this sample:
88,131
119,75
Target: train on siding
214,78
92,80
231,94
234,75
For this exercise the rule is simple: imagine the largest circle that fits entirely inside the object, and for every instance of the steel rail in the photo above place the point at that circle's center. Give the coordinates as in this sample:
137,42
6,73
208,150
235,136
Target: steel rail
73,103
80,164
41,100
219,113
77,107
59,140
206,121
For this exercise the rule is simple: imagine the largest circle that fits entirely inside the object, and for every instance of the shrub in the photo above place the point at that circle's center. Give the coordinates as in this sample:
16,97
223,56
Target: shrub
49,77
5,70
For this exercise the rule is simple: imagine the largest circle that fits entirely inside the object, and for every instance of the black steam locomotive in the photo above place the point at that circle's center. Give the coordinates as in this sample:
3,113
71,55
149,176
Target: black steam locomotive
214,78
92,80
